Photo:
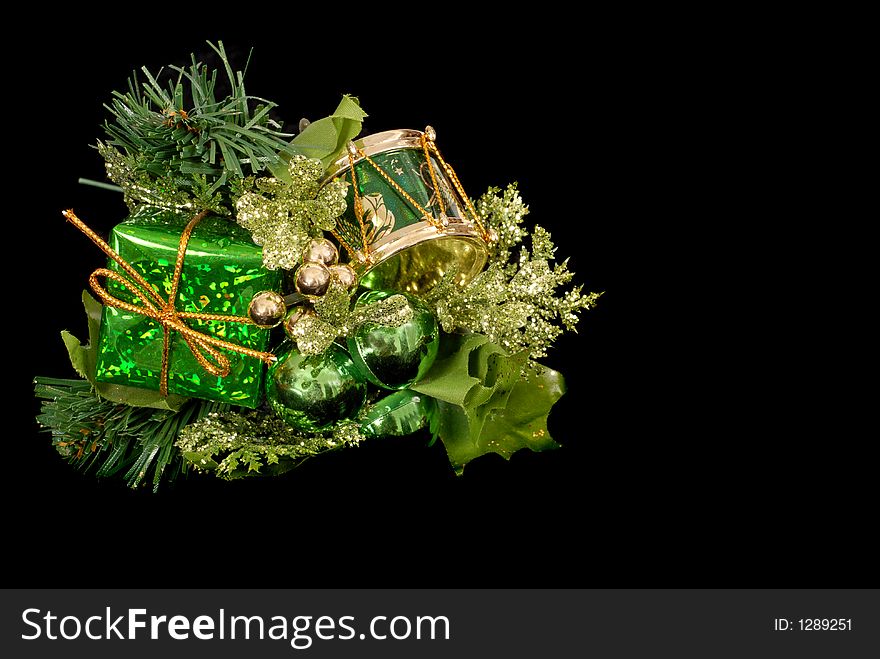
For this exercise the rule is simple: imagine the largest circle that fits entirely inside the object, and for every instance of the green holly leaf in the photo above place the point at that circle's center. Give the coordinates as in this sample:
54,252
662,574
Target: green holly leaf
139,397
521,423
327,138
498,373
484,403
84,358
474,375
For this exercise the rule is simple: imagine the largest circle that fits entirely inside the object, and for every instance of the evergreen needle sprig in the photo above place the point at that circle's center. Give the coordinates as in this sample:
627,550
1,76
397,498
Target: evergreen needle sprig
110,438
179,137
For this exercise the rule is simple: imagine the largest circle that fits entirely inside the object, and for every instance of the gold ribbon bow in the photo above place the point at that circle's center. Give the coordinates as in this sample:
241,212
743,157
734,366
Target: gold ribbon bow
203,346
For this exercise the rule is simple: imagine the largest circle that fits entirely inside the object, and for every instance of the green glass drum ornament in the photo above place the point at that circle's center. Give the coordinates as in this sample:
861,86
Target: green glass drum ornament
312,392
408,220
395,357
398,414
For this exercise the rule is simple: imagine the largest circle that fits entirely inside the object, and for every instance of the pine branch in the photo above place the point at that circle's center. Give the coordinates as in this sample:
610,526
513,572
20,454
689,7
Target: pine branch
175,130
112,439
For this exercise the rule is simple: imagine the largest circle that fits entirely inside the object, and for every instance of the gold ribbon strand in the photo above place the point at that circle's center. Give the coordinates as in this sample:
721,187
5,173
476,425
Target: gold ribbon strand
203,346
429,143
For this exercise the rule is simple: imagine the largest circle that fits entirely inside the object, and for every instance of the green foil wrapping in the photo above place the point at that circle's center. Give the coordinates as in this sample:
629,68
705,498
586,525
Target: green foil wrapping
221,273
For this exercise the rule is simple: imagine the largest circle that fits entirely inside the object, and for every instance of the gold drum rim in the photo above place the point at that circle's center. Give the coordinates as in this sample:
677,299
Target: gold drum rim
459,238
373,145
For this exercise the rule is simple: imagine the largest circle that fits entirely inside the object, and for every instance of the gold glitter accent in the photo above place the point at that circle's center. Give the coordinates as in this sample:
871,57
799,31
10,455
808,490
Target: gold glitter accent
540,432
163,311
285,217
233,444
516,301
314,332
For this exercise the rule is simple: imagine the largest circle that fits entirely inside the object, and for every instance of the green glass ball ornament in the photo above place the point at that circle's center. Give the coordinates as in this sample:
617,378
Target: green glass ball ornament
395,357
312,392
398,414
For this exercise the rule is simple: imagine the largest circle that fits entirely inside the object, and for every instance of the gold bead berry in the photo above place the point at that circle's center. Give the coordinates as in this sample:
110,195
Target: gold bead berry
267,309
296,314
321,251
345,274
312,279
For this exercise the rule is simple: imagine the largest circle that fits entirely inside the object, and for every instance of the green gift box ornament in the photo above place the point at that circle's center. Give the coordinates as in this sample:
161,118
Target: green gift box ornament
176,305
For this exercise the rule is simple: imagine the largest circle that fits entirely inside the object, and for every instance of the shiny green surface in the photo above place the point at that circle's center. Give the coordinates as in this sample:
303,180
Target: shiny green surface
386,210
395,357
398,414
413,262
420,268
221,273
312,392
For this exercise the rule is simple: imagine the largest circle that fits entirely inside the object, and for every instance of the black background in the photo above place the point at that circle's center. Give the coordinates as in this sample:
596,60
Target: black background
673,471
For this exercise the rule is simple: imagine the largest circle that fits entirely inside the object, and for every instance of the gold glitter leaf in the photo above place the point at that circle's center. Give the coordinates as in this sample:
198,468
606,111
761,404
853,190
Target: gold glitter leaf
283,216
515,302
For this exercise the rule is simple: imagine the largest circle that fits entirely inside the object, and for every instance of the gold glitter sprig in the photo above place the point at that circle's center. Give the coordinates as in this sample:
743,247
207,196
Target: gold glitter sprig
505,214
140,187
515,301
283,216
235,445
333,317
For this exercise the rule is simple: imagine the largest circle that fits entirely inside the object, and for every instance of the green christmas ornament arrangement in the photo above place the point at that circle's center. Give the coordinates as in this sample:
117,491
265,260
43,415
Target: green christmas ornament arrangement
312,392
273,297
395,357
